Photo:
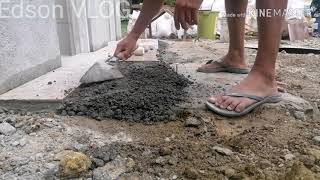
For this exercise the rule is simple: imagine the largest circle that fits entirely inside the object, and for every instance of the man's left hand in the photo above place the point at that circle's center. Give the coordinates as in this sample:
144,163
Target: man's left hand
186,13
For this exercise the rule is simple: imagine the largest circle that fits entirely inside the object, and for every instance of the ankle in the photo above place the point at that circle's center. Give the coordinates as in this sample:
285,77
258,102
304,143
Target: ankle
235,58
266,77
236,53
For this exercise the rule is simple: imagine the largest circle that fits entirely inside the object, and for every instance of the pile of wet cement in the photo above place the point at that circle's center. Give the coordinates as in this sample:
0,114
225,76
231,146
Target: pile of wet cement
148,93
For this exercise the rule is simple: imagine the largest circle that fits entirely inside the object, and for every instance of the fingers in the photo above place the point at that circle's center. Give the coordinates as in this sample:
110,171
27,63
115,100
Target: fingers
194,16
182,19
176,18
124,55
118,50
189,17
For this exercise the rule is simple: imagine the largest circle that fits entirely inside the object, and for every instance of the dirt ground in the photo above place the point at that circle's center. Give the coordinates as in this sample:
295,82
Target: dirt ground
274,142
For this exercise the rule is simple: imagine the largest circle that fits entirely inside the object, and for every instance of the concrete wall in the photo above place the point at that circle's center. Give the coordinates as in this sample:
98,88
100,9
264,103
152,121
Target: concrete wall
29,47
63,28
102,29
90,31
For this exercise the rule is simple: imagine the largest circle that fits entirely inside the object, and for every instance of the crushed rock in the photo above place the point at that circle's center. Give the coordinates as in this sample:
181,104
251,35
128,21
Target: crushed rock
298,172
7,129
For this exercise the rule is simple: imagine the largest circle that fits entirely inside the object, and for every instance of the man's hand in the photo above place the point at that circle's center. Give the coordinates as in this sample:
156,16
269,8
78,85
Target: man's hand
126,47
186,12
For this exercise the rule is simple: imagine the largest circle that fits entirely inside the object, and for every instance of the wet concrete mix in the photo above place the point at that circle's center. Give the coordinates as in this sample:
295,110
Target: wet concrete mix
150,92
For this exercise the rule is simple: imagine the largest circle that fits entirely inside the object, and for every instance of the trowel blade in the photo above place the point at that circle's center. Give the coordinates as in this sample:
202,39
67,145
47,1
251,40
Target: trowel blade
101,71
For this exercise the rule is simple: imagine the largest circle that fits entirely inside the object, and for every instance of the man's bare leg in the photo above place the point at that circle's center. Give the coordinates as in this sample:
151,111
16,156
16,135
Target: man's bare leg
261,80
235,55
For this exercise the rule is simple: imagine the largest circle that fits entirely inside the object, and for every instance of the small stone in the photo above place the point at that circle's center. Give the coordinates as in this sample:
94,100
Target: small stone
73,164
174,177
113,169
316,112
298,172
15,143
173,161
98,162
223,151
10,120
299,115
228,172
265,164
190,173
167,139
130,164
39,156
164,151
7,129
308,161
192,122
23,142
316,139
49,83
315,153
289,157
160,160
52,170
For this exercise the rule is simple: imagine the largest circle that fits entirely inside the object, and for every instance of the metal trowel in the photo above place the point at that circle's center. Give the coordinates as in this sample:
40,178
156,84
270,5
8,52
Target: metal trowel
103,70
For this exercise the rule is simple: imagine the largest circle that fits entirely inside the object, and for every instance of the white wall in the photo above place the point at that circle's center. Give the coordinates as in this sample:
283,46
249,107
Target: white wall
29,47
91,31
103,29
63,28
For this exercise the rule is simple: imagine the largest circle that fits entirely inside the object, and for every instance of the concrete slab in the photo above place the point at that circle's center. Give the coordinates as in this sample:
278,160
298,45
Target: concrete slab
294,49
48,91
29,46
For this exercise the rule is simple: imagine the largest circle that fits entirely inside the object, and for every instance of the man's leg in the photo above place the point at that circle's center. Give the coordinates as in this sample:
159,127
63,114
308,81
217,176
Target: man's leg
261,80
235,55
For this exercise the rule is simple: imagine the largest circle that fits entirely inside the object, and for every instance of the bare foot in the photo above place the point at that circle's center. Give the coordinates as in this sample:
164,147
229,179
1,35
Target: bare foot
232,59
255,84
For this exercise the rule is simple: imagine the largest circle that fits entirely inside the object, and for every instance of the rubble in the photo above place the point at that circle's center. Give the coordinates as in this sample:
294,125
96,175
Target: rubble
74,164
7,129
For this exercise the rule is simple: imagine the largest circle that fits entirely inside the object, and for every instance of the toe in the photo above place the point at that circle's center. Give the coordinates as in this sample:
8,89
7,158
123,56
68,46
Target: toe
221,100
218,100
215,99
240,107
203,68
233,105
243,104
227,102
212,99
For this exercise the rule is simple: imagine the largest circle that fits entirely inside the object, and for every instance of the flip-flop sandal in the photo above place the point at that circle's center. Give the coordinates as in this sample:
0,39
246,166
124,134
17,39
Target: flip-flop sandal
223,68
259,101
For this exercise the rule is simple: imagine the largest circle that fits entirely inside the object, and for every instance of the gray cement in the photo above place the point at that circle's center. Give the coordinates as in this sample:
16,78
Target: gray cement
150,92
29,48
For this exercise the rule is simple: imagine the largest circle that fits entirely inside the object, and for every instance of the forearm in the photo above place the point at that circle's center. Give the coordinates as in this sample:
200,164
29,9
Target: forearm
149,10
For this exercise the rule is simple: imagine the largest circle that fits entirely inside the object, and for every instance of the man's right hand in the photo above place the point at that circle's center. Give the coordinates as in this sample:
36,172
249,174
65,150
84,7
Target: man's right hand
126,47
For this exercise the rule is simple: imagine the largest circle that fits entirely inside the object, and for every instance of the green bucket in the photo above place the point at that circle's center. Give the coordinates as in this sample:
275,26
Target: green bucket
207,24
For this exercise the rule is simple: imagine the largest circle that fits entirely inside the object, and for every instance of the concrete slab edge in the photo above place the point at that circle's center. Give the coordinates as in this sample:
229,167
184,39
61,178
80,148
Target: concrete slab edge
31,105
29,74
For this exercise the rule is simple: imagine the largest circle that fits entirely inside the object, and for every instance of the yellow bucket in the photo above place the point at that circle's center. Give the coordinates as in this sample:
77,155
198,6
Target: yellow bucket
207,24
